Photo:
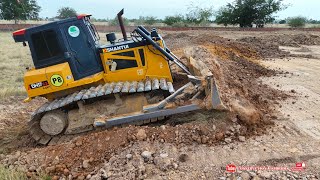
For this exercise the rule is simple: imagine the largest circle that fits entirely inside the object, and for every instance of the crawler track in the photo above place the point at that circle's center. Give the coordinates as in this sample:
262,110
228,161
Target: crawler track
102,91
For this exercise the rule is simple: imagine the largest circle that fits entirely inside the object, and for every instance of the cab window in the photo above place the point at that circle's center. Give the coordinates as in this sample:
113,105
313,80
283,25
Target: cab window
46,45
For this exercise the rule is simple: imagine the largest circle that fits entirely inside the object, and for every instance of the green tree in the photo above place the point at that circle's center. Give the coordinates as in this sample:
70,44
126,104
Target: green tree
198,15
66,12
171,20
298,21
19,10
225,16
245,13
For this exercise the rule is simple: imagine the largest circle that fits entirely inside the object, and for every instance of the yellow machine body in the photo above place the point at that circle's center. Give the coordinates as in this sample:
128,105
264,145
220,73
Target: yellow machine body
55,81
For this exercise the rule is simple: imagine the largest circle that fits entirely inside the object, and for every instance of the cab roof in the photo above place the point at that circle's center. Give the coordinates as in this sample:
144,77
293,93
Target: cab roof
19,35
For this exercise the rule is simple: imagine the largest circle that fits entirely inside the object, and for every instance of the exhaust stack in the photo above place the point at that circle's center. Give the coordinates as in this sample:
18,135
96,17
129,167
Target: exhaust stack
123,30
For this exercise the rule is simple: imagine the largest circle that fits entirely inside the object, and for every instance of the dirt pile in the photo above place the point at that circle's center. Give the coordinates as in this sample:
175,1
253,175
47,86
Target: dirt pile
295,40
268,46
223,45
236,69
87,153
237,78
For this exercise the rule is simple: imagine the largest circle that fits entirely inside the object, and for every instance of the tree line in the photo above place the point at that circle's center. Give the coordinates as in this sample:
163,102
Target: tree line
243,13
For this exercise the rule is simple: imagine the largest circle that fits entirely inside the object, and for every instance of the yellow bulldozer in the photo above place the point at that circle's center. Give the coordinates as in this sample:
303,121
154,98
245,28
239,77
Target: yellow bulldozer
89,85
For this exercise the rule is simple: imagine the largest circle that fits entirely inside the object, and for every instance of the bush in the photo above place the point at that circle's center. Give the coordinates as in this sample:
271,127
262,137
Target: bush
312,21
298,21
180,24
171,20
150,20
115,21
282,21
98,20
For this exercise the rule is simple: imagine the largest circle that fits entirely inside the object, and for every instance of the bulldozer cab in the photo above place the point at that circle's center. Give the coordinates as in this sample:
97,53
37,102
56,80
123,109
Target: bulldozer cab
71,40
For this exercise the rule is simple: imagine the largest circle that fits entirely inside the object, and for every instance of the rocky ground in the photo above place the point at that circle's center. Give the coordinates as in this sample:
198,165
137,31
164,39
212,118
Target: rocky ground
263,126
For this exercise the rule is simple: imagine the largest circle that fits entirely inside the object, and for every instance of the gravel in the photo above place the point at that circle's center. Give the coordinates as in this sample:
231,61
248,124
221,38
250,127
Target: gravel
228,140
86,164
242,138
141,134
129,156
146,155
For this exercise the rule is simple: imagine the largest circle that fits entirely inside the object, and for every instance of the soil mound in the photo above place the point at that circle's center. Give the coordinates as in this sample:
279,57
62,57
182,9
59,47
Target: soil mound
295,40
268,46
237,78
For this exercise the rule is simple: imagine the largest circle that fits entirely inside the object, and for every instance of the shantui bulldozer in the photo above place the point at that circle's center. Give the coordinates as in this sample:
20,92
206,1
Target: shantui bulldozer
126,81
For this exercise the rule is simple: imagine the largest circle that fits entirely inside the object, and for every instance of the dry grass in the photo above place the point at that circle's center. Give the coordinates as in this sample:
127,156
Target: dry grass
7,174
11,91
14,58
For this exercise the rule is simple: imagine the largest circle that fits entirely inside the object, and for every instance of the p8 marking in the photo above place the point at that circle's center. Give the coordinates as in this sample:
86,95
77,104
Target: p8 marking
38,85
56,80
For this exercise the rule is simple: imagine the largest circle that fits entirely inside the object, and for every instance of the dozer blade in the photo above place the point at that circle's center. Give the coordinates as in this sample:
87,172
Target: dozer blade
198,68
140,117
202,83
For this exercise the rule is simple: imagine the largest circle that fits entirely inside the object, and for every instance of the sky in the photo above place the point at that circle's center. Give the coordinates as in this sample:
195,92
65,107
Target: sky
106,9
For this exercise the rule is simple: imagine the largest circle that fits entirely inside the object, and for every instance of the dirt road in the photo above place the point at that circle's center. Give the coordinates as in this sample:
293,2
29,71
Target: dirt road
302,80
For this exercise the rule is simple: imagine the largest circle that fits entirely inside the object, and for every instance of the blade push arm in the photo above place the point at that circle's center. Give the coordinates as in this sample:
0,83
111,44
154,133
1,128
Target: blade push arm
166,52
